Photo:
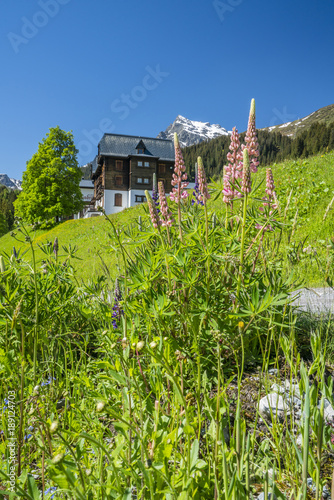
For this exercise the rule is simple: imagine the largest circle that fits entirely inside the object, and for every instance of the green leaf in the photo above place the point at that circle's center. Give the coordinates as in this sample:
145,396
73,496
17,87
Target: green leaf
32,488
194,454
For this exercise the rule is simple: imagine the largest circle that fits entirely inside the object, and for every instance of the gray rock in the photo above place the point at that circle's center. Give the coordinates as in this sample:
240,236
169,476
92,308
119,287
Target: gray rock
269,497
273,371
273,403
328,411
61,404
299,439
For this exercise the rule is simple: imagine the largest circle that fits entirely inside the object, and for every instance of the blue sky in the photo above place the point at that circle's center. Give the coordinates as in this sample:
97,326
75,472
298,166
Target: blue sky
130,67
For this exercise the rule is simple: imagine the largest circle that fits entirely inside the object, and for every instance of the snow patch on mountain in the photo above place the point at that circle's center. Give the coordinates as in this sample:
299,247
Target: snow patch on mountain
192,132
10,183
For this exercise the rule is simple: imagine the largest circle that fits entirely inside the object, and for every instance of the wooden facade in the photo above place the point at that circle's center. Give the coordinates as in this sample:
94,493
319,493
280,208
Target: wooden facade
132,172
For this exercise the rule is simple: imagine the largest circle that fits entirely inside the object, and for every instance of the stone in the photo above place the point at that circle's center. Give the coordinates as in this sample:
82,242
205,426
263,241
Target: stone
273,403
269,497
328,411
273,371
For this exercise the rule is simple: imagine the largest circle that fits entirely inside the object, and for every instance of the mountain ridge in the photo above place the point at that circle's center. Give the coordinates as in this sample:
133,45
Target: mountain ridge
192,132
9,182
291,129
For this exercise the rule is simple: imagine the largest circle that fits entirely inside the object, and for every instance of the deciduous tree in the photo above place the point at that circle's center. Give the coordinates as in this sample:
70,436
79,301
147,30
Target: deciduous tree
50,184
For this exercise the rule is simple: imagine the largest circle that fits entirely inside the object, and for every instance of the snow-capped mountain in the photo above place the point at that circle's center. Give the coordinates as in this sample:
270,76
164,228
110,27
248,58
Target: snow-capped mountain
10,183
192,132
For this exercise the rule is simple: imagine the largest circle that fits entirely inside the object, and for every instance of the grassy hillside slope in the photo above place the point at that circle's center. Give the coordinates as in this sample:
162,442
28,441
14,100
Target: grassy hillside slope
305,243
323,115
89,235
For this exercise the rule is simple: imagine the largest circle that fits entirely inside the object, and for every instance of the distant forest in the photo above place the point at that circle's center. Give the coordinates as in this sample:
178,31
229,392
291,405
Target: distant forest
274,148
7,198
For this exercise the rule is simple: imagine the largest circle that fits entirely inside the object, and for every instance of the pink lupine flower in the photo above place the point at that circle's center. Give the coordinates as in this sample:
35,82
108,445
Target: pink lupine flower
251,140
166,218
227,190
153,211
269,200
202,184
179,176
232,171
246,184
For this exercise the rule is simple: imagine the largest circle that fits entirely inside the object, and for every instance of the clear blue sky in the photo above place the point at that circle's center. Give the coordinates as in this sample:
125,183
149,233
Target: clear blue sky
132,66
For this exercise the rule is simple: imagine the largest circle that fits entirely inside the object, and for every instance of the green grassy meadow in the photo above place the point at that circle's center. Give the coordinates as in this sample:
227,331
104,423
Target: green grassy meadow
308,183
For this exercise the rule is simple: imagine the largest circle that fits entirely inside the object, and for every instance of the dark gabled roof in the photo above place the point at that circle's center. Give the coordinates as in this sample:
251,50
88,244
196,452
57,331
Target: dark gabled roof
140,145
126,145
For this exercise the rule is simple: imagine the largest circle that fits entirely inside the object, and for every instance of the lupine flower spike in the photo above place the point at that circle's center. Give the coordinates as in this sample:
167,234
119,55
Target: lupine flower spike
55,247
196,189
166,218
179,176
202,184
232,171
155,193
251,140
117,312
270,199
153,210
246,184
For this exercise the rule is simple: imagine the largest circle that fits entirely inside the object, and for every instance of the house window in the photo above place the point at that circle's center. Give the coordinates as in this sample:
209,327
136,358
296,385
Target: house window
147,164
119,180
140,151
139,199
140,163
162,168
118,200
119,165
143,180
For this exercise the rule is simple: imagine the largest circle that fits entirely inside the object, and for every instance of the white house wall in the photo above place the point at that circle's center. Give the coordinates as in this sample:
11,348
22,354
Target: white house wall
109,201
132,196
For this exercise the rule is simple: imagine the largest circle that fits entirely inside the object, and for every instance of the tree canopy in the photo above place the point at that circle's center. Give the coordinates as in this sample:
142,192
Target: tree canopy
50,183
7,198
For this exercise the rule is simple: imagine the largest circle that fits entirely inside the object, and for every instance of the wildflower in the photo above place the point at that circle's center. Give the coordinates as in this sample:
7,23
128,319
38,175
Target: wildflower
232,171
50,490
196,193
54,427
48,382
2,264
153,211
241,324
153,345
5,406
202,184
55,247
251,139
100,406
140,345
269,200
58,458
36,389
246,185
166,215
155,192
124,342
179,174
116,314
